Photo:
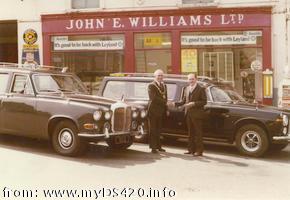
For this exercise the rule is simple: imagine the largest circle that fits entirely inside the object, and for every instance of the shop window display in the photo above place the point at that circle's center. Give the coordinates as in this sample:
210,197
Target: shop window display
91,57
152,51
225,55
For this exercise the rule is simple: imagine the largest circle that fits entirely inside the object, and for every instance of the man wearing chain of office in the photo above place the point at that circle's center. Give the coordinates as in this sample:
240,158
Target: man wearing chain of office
157,110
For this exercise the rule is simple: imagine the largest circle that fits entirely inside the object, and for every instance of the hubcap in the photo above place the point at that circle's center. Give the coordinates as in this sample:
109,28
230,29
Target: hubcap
65,138
251,141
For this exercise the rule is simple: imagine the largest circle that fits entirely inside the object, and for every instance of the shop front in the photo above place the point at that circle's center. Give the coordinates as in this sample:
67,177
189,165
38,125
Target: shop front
230,45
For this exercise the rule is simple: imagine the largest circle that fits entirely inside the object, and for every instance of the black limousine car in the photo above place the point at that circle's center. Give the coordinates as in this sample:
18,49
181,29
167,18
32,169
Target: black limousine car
253,128
47,103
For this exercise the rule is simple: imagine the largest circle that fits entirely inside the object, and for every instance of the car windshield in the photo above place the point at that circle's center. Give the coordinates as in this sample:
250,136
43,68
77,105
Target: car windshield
220,95
58,83
236,97
227,96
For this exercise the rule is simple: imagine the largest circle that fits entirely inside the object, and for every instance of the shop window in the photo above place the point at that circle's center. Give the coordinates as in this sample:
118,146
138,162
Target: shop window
82,4
153,51
91,57
226,56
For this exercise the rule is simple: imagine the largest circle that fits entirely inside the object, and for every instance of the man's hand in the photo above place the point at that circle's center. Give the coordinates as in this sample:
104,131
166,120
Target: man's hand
167,113
170,104
190,104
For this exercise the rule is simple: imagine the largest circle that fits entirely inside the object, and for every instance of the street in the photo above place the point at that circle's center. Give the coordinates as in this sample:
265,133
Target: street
221,174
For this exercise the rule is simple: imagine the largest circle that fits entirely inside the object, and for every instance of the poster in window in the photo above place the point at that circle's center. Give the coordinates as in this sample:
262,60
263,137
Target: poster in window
249,86
188,60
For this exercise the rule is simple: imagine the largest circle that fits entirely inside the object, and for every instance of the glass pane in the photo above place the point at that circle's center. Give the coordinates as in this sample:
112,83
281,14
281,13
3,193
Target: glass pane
133,90
80,4
94,63
3,83
150,60
19,84
152,40
57,83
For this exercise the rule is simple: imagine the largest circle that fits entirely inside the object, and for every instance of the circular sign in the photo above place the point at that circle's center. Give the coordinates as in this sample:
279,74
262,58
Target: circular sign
256,65
244,74
30,36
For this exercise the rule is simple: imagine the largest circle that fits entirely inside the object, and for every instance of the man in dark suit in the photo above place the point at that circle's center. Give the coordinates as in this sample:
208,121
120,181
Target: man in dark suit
193,101
157,109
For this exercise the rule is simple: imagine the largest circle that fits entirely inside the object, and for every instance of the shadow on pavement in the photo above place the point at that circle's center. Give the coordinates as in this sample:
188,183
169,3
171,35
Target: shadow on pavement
102,155
230,150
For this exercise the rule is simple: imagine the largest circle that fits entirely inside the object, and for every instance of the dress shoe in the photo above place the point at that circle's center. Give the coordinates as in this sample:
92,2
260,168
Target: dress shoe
198,154
154,151
188,152
163,150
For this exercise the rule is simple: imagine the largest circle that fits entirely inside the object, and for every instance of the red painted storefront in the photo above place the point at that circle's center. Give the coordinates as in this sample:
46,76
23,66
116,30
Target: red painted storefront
173,21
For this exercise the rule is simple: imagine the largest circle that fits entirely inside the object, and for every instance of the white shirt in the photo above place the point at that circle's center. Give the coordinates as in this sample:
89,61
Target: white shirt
192,87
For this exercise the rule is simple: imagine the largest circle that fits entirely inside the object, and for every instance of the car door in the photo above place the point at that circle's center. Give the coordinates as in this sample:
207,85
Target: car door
4,78
18,107
219,119
175,123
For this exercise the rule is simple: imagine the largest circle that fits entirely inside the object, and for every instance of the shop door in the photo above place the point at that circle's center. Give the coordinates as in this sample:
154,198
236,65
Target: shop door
219,65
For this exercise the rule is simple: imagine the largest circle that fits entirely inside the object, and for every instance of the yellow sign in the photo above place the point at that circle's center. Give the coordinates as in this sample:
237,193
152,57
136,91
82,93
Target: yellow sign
188,60
153,41
268,84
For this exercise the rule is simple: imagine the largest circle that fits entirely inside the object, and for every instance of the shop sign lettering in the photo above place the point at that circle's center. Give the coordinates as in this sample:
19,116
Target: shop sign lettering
218,40
154,22
88,45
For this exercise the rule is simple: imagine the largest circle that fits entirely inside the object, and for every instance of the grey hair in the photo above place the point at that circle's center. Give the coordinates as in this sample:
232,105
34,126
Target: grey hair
158,71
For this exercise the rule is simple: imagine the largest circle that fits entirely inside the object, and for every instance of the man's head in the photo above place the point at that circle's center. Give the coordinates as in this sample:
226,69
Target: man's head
158,75
191,79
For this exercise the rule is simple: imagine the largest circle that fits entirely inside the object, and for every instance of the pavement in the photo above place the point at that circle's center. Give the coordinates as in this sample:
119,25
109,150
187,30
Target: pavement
32,165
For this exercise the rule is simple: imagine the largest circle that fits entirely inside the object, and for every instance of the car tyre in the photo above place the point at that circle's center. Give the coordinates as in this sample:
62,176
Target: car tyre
252,140
65,140
112,144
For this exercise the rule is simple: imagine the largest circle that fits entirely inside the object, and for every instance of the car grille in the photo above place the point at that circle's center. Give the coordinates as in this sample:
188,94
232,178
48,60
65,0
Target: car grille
122,119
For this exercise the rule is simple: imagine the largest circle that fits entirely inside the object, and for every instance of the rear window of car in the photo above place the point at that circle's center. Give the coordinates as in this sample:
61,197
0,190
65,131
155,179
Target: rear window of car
133,90
3,83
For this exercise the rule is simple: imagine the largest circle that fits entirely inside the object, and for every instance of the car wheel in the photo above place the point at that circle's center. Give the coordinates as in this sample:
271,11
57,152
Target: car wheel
112,143
278,147
252,140
65,140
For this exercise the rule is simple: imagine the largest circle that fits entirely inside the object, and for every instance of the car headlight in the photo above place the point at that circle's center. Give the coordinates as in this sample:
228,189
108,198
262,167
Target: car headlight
134,125
135,114
97,115
143,113
108,115
285,120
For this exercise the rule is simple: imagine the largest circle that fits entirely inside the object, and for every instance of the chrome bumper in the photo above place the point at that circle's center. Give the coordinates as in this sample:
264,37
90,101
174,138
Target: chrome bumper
108,134
282,138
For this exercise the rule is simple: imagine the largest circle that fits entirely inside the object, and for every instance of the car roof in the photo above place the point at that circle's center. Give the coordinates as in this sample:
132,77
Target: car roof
29,69
183,81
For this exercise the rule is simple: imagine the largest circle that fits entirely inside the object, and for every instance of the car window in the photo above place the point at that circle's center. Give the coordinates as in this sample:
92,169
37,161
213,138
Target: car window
133,90
21,85
57,83
219,95
3,82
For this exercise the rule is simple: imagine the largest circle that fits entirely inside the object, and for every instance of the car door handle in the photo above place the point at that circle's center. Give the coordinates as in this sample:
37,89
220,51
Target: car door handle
225,115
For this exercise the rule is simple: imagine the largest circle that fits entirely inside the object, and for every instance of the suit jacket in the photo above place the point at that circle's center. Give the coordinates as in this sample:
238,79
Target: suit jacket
157,99
198,96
